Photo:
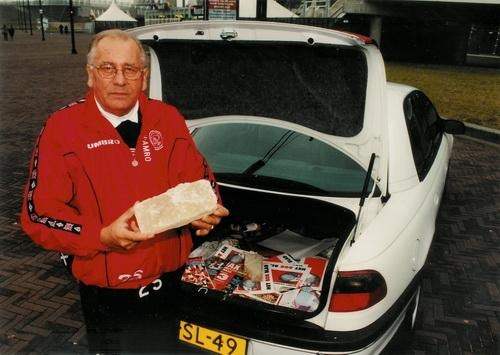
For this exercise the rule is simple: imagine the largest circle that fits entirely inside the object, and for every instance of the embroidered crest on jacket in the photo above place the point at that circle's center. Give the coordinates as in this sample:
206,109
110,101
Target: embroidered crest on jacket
156,139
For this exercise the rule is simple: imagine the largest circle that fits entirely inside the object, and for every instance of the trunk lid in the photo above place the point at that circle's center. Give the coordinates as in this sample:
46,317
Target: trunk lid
328,81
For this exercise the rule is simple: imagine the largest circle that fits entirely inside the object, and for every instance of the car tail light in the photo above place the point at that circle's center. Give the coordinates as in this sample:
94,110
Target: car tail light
357,290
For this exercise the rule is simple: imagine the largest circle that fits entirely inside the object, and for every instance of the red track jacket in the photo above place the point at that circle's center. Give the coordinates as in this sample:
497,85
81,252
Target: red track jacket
82,178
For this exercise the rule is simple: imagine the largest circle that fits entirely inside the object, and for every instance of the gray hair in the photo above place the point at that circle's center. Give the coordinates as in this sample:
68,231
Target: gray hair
119,34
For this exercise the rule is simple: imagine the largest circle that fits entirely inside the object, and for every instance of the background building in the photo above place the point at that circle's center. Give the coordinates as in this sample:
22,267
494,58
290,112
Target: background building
431,31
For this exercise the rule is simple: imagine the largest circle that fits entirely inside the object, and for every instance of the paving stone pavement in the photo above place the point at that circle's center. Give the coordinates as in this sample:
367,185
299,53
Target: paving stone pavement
40,311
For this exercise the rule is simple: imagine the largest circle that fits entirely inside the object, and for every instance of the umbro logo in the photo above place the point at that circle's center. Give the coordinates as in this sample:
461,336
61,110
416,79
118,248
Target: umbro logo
102,142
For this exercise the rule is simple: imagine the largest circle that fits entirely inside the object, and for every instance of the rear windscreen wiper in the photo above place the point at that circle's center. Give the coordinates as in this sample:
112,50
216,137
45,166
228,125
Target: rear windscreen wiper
269,154
254,167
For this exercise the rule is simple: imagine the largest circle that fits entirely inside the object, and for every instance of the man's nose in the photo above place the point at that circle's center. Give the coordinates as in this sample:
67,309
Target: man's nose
119,77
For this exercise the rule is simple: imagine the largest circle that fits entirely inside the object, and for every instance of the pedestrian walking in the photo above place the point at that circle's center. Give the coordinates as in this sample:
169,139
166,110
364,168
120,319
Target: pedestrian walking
5,33
11,32
66,31
61,29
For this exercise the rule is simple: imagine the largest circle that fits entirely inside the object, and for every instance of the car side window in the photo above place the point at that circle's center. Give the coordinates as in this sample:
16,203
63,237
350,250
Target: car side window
423,123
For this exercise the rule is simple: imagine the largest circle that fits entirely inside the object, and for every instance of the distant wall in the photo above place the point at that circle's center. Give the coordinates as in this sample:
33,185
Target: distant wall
428,42
404,40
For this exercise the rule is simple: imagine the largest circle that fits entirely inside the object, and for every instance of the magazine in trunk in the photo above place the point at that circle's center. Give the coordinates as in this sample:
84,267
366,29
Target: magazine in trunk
273,252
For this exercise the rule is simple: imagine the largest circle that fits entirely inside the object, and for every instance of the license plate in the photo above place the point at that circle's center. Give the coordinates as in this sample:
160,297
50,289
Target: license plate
212,340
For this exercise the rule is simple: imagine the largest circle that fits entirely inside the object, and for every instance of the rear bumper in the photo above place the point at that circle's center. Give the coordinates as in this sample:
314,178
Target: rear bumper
275,330
256,347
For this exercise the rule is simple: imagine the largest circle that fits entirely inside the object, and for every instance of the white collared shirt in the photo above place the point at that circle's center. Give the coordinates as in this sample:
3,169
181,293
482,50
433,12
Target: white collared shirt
116,120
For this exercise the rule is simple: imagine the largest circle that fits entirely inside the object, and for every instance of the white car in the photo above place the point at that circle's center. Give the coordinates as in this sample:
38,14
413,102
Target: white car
307,140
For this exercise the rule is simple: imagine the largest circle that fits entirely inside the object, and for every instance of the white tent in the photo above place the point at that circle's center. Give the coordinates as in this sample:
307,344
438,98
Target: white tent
114,17
114,13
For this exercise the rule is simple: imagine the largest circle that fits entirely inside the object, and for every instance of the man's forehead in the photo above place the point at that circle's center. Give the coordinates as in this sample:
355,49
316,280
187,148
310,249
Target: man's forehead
114,49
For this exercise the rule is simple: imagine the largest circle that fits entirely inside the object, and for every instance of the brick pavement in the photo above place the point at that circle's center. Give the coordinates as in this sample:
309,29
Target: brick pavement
39,304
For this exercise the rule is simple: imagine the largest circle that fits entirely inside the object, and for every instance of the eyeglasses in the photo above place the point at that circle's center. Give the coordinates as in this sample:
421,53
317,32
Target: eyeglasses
108,71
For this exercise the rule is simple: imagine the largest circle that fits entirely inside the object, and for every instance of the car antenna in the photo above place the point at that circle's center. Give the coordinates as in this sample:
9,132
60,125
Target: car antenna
363,193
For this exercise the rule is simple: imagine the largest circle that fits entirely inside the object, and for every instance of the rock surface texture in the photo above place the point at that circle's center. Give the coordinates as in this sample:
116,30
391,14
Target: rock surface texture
176,207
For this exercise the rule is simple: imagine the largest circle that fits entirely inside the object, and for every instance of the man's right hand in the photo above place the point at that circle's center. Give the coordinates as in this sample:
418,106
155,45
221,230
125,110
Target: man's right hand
123,234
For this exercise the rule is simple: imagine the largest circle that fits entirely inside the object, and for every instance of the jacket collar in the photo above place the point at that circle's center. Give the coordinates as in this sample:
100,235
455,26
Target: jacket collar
93,119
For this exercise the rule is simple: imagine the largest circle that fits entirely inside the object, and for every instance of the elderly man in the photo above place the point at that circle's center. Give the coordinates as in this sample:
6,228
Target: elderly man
93,160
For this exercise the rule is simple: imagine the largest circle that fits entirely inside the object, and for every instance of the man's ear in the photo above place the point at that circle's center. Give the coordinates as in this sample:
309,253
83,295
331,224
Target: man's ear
145,78
90,78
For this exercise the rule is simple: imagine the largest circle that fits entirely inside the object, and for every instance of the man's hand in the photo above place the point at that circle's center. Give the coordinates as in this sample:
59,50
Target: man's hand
123,234
204,225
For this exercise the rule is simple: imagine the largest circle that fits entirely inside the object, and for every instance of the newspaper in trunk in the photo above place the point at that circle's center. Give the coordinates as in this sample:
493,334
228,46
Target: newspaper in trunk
285,282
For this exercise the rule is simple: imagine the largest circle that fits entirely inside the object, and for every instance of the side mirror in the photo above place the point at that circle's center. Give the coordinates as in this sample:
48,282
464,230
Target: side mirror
452,126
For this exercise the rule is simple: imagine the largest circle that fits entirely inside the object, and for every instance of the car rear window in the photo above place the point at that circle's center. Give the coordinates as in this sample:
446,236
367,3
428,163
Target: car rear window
278,159
322,87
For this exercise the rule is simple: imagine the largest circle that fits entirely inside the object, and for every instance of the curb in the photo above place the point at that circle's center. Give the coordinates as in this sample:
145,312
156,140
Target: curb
483,133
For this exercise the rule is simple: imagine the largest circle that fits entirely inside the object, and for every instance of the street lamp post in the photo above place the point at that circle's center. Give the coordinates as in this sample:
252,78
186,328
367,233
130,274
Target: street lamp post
24,17
19,21
29,17
72,25
41,19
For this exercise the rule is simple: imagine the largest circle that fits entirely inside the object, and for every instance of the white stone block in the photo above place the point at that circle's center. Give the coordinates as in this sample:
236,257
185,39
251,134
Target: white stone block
176,207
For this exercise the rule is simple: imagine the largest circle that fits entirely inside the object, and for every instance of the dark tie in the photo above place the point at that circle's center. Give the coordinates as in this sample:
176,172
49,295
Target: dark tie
129,131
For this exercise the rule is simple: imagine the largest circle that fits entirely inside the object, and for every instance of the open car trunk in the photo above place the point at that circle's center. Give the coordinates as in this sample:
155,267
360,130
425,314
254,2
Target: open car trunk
273,253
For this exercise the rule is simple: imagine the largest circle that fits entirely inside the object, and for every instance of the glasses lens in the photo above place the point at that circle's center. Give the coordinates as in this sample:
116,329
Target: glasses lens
131,73
107,71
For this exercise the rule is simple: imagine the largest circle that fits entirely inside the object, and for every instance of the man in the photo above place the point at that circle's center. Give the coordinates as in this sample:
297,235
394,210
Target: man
5,33
11,32
93,160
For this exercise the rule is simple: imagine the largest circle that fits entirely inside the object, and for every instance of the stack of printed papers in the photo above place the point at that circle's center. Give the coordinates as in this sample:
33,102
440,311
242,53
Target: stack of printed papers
286,281
297,245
